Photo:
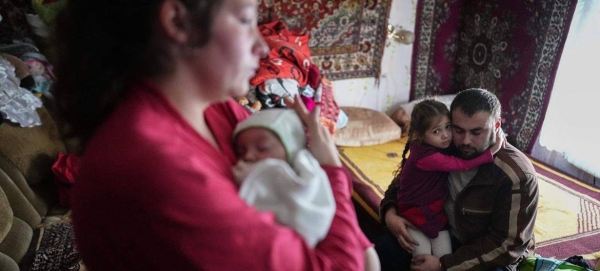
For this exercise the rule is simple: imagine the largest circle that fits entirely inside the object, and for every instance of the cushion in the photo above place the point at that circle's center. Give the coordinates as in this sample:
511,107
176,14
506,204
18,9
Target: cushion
366,127
32,150
6,216
402,115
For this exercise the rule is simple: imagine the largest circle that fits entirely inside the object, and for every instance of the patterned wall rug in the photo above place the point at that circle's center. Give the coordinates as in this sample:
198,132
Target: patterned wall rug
346,37
510,47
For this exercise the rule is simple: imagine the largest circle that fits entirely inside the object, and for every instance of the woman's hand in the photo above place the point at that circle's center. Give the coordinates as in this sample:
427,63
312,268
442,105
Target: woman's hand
321,143
398,227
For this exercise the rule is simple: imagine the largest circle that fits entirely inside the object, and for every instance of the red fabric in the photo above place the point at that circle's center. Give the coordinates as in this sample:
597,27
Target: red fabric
289,56
64,169
314,76
329,107
347,37
424,181
308,102
441,162
152,194
430,218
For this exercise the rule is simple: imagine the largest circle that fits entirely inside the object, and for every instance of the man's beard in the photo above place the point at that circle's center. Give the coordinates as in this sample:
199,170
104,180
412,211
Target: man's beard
470,152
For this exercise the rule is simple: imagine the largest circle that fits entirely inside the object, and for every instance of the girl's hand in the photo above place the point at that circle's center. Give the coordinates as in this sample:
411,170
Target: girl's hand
320,142
500,142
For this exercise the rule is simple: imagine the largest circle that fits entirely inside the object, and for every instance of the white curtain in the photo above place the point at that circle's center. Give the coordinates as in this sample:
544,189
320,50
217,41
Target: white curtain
572,122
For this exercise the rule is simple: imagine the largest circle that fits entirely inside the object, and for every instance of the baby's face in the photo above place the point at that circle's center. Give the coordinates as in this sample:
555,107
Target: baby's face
256,144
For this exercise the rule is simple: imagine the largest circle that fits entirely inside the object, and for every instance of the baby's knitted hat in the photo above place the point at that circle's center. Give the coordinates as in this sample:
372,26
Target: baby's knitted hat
283,122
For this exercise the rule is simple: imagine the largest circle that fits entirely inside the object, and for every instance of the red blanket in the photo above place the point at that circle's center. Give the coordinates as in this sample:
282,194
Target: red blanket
289,56
65,169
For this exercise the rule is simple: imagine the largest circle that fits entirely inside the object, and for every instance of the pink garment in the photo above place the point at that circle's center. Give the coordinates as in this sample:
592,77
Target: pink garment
314,76
308,102
64,169
168,201
423,185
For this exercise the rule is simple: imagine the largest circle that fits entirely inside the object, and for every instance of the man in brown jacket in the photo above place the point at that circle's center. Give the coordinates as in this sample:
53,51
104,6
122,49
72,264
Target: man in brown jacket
491,209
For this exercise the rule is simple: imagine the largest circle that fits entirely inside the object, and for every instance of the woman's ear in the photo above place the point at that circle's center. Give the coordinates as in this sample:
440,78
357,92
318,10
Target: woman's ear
174,16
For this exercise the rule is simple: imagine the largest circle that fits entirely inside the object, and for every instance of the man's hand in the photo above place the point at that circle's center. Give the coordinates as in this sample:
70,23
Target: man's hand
425,263
397,226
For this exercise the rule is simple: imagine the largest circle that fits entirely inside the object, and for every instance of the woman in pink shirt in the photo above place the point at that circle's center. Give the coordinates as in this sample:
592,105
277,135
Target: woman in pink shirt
145,86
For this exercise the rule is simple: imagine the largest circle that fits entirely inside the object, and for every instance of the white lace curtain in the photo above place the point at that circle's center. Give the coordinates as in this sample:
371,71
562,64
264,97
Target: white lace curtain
572,122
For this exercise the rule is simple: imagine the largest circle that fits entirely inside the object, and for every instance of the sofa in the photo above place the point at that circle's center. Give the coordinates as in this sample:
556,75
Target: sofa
29,200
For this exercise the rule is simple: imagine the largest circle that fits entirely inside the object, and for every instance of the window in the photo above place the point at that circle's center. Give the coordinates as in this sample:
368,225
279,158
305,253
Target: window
572,122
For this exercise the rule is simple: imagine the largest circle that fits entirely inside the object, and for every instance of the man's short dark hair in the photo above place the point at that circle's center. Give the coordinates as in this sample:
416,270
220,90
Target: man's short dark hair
473,100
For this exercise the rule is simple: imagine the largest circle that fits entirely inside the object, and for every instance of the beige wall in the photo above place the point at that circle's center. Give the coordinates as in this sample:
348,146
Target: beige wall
394,84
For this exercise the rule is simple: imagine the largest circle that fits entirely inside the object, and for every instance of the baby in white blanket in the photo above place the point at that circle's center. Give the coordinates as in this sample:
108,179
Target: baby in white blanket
277,173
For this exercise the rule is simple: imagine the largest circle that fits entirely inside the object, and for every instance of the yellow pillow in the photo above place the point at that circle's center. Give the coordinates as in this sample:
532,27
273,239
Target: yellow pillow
366,127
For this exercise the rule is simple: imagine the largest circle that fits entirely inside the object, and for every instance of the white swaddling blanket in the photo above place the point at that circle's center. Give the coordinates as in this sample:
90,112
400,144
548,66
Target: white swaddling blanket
301,198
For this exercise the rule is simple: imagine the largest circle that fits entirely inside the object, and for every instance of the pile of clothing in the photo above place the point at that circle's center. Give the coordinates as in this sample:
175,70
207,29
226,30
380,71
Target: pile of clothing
287,71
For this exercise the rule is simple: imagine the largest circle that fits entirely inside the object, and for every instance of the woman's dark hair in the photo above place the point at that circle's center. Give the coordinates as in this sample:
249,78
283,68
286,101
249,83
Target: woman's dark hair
103,45
421,118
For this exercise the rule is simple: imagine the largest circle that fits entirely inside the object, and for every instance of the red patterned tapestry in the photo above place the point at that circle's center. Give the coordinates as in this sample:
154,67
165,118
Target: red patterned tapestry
346,37
509,47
